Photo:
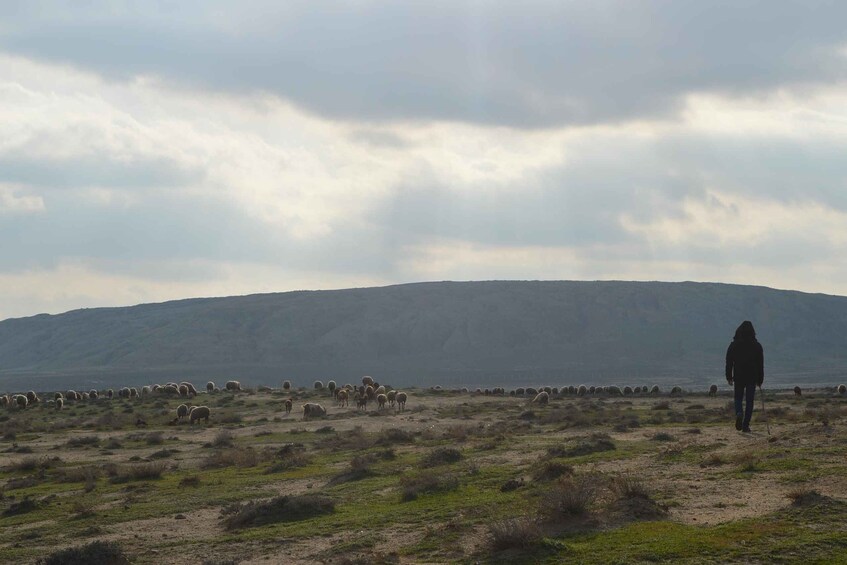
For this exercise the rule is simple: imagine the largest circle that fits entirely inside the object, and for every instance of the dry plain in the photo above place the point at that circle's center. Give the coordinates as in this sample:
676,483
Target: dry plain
457,477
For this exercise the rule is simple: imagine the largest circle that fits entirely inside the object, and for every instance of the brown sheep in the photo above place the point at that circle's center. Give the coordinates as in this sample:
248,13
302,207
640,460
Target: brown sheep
401,401
312,410
381,399
343,397
199,413
288,406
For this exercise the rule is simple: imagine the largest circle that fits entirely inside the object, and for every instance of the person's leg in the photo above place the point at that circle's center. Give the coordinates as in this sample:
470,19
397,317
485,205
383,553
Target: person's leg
739,414
750,395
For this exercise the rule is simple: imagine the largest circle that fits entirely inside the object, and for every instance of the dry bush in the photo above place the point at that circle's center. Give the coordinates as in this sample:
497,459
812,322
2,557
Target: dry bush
635,498
32,463
807,497
514,533
137,472
100,552
549,470
713,460
22,507
664,405
83,441
155,438
426,483
441,456
83,474
279,509
663,436
190,481
594,443
223,438
393,436
233,457
289,456
82,508
569,497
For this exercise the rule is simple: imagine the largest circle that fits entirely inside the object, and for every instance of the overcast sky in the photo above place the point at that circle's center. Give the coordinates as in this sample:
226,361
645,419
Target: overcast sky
159,150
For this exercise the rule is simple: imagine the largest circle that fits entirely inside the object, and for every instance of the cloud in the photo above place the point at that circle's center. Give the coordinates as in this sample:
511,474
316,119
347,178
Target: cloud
528,64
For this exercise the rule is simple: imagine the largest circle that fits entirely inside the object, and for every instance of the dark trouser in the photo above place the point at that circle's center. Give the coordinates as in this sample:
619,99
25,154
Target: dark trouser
742,392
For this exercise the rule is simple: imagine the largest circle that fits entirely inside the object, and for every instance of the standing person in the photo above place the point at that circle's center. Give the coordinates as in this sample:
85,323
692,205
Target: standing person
745,368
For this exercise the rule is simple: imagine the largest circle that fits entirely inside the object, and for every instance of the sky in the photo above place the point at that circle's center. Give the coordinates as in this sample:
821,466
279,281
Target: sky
152,151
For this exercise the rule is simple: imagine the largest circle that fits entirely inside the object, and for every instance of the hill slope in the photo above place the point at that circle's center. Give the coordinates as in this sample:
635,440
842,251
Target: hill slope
427,333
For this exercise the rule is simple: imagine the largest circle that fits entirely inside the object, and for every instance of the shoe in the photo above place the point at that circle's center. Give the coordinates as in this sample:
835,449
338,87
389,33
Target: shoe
738,421
747,430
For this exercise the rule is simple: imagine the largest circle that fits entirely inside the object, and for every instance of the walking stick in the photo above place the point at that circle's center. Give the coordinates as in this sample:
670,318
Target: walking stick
764,413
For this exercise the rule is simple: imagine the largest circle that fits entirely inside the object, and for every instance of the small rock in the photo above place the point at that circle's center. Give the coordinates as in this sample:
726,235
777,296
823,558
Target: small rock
179,517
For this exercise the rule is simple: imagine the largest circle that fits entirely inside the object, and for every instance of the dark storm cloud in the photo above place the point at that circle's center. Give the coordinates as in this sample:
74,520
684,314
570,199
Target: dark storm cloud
525,64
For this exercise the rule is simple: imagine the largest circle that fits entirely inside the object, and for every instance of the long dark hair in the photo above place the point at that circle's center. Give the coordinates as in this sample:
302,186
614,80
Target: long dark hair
745,331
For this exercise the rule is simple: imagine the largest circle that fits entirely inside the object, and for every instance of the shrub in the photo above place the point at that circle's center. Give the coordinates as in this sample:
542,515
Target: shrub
279,509
520,533
22,507
441,456
138,472
571,496
663,436
713,460
100,552
392,436
84,441
223,439
550,470
155,438
585,446
78,474
190,481
413,485
233,457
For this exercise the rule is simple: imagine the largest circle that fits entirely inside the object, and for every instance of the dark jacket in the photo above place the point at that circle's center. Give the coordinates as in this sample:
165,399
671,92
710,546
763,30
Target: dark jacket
745,359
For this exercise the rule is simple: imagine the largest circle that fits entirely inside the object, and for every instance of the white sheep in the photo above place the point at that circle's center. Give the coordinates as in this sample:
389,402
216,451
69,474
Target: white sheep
366,380
842,389
210,386
542,398
233,385
192,391
401,401
181,411
312,410
581,390
655,390
59,403
343,397
199,413
391,395
381,399
318,385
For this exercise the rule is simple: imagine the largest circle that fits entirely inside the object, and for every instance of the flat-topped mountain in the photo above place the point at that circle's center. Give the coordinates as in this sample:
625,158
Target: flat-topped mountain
475,333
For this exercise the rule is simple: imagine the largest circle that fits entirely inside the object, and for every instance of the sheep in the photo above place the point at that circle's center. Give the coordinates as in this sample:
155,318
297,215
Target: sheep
181,411
59,403
381,399
637,390
312,410
4,400
554,390
381,390
342,397
798,391
541,398
332,387
171,389
217,390
210,386
401,401
842,389
286,385
655,390
110,393
366,380
31,397
155,388
122,393
530,391
713,390
288,405
614,390
21,401
572,389
520,391
676,390
92,394
199,413
191,390
183,390
627,390
369,392
392,396
581,390
233,385
318,385
361,401
593,389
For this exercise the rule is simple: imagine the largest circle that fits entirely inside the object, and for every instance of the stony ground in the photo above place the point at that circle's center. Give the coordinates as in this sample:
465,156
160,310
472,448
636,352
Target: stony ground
455,478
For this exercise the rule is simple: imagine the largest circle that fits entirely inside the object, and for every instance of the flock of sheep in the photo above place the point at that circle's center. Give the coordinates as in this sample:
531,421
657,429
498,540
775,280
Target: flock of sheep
368,391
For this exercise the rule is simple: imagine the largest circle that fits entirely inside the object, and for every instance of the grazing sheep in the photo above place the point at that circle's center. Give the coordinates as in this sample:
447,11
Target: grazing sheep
92,394
57,396
233,385
59,403
286,385
217,390
655,390
637,390
381,399
171,389
199,413
554,390
122,393
318,385
392,396
145,390
530,391
332,387
361,401
380,390
627,390
572,389
401,401
312,410
21,401
713,390
593,389
192,391
581,390
133,392
520,391
4,400
181,411
542,398
342,397
842,389
366,380
676,390
31,397
369,392
615,390
288,405
798,391
210,386
183,390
